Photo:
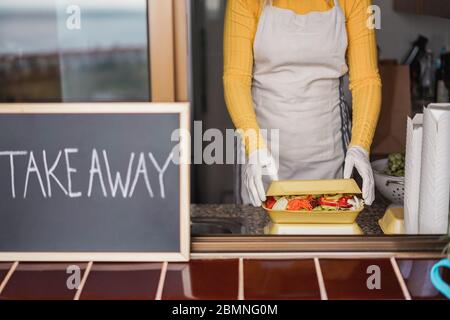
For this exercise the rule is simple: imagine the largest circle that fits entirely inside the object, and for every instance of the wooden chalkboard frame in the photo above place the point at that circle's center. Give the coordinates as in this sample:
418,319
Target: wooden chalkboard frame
117,108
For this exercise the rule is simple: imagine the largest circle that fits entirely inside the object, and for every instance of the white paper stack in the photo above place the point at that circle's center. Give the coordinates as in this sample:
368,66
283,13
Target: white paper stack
435,175
413,164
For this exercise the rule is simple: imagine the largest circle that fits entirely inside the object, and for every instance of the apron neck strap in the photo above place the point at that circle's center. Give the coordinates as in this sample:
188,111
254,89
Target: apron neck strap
268,3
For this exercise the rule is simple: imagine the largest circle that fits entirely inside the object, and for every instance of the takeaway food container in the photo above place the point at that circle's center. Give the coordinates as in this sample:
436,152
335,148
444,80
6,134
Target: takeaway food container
313,187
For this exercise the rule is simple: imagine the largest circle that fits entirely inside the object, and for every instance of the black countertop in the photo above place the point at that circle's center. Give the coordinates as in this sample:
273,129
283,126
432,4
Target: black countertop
254,220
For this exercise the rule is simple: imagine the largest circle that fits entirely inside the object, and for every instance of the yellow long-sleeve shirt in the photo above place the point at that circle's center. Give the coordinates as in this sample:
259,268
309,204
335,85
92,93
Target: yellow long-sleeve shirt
241,23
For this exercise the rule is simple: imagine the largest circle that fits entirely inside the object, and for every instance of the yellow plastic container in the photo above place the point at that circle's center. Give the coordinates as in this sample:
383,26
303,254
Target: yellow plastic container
313,187
393,221
313,229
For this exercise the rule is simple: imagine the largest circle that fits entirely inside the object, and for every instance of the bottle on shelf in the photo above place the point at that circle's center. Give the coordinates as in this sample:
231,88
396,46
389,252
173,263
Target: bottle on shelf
427,77
442,93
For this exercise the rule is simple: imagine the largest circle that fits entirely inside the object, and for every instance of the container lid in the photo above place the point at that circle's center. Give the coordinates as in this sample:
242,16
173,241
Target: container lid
313,187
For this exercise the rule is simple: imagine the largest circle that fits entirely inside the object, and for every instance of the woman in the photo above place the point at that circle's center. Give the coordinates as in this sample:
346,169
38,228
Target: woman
284,63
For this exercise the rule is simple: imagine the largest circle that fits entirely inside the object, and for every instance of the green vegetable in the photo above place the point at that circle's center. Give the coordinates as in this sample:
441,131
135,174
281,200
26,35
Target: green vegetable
329,208
396,165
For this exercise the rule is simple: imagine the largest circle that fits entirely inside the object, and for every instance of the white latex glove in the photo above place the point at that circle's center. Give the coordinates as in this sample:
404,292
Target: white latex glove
358,158
259,163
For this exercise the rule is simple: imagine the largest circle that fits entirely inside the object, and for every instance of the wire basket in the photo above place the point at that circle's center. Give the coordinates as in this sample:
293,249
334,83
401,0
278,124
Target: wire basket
391,187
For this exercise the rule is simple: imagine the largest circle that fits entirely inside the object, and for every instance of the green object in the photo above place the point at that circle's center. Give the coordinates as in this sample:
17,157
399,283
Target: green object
325,208
329,208
396,165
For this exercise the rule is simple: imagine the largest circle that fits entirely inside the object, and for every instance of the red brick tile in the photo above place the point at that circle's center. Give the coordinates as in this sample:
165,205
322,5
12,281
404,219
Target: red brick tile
347,279
40,281
202,279
280,279
133,281
417,278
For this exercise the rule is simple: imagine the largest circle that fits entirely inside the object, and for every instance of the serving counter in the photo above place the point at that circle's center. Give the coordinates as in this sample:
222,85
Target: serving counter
247,220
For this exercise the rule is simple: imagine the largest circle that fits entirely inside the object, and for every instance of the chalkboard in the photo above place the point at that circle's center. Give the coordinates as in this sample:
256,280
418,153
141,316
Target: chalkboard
94,182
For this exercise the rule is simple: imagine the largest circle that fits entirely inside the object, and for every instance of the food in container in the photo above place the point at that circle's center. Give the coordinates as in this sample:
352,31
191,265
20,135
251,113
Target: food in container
314,201
330,202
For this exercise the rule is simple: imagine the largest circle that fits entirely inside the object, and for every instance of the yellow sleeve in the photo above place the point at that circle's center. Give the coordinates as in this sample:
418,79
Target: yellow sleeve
240,27
365,81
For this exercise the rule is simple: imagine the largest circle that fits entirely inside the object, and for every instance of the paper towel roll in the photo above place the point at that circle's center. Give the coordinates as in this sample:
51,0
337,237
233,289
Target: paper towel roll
435,175
413,164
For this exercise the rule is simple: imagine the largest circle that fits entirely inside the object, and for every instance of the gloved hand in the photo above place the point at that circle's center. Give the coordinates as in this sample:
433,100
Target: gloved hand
259,163
358,158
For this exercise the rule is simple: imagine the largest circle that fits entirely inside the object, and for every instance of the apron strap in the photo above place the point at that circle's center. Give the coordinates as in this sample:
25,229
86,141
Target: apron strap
345,116
239,150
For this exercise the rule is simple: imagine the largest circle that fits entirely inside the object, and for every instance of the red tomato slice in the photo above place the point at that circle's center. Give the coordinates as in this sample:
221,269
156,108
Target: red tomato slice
339,203
330,203
343,202
270,202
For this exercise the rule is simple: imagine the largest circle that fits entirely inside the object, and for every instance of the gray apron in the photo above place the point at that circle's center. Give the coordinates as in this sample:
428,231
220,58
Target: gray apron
299,62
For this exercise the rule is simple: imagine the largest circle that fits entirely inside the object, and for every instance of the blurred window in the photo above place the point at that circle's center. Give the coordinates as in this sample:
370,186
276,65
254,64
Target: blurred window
74,50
